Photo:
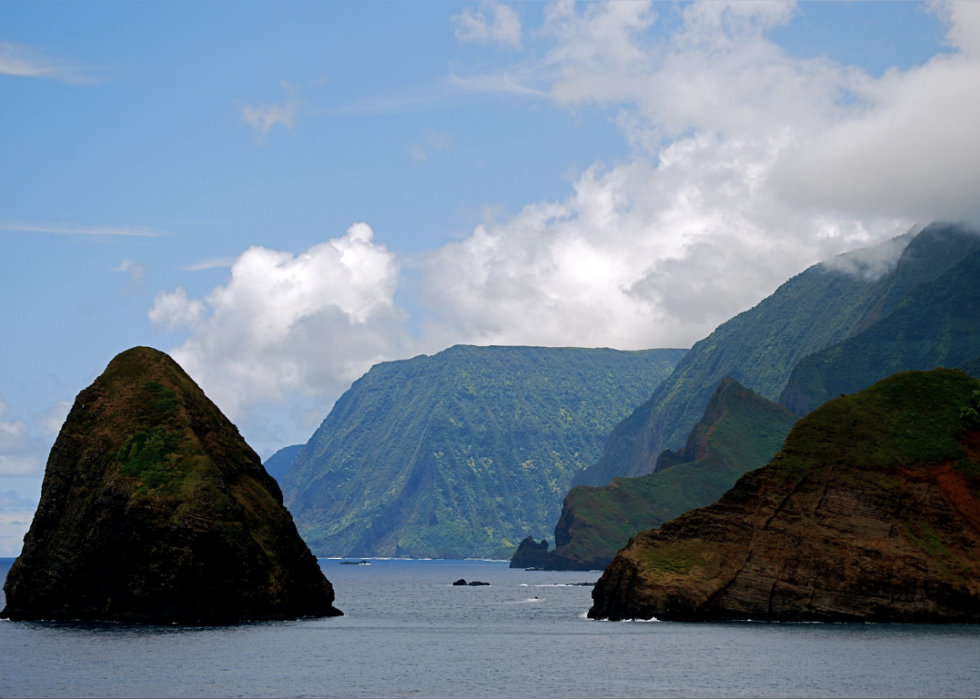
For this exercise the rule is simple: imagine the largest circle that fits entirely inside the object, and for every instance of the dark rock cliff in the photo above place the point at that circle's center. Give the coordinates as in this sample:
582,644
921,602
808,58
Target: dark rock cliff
530,554
871,512
154,509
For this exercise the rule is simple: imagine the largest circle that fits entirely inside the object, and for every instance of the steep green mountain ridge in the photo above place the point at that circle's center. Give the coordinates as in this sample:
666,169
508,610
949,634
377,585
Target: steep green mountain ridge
937,324
464,452
155,510
740,431
278,464
870,512
820,307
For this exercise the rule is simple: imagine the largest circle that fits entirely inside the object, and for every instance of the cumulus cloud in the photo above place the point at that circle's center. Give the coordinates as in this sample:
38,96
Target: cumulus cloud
311,322
20,453
492,22
25,62
747,166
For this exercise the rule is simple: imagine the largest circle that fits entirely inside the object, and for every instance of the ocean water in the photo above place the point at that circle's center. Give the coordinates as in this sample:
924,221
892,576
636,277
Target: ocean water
408,632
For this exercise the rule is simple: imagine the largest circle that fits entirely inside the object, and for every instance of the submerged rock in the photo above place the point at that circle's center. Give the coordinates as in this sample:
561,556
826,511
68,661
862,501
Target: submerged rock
155,510
871,512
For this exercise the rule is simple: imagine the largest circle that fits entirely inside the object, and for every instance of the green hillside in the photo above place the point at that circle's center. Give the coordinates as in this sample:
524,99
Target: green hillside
278,464
971,367
869,512
936,325
740,431
818,308
464,452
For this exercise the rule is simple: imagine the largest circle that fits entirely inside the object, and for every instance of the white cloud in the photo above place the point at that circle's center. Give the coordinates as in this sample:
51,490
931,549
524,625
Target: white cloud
493,22
213,263
264,117
20,453
311,322
748,166
27,63
137,275
50,421
433,142
16,514
71,229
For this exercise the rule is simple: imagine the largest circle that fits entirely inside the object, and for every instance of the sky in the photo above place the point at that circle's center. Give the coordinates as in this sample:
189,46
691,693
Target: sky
281,195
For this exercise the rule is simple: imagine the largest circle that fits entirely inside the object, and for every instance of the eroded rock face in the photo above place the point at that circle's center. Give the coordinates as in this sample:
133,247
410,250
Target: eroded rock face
530,554
155,510
871,512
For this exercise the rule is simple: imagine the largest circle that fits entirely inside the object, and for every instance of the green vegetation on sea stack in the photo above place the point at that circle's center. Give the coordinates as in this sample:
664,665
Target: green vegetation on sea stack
462,453
740,431
870,512
154,509
824,305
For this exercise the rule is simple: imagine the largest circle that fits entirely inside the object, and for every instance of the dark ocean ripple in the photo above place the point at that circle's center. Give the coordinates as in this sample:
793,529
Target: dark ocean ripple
408,632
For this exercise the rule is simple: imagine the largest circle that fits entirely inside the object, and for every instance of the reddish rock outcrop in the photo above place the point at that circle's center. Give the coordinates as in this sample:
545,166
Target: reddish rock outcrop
871,512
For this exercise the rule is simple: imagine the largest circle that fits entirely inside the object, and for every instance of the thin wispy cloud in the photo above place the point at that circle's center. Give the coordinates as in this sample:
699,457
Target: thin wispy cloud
212,263
70,229
25,62
433,142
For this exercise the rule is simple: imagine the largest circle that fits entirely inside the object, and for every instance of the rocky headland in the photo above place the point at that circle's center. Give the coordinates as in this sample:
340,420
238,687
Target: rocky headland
530,554
739,431
155,510
870,512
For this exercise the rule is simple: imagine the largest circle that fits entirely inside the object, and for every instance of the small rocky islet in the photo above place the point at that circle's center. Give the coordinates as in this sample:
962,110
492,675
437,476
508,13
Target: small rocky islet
871,512
154,510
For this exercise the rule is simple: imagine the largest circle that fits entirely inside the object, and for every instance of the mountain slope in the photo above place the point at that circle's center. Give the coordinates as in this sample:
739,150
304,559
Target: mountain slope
740,431
155,510
870,512
279,463
463,452
818,308
936,325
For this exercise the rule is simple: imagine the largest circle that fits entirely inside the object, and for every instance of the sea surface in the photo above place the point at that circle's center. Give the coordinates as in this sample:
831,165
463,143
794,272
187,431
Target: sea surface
408,632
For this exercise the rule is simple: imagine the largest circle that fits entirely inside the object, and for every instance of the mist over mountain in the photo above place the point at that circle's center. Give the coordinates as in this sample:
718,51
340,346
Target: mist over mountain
464,452
937,324
826,304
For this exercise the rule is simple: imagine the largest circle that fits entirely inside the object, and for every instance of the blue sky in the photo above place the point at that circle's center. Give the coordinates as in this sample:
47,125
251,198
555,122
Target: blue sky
283,194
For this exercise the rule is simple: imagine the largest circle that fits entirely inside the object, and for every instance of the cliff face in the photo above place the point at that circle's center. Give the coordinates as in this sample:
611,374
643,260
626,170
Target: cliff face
936,325
464,452
818,308
871,512
530,554
740,431
154,509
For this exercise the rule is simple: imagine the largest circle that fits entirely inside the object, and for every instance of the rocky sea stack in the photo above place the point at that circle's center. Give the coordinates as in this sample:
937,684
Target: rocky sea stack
871,512
155,510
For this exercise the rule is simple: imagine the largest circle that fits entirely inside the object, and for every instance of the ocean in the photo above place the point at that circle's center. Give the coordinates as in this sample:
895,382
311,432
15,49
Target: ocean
408,632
